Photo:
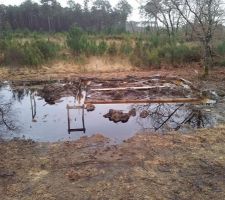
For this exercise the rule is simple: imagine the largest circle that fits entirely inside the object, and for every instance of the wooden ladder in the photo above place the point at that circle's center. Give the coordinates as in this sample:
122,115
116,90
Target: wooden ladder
83,129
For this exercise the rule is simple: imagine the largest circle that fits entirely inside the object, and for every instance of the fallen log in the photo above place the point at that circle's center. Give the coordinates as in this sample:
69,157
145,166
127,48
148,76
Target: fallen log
132,88
145,101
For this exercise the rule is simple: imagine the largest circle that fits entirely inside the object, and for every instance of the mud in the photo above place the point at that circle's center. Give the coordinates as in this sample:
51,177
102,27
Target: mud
119,116
172,166
146,166
158,87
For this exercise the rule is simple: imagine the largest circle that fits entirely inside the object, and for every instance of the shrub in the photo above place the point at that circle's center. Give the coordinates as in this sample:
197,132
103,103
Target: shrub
28,53
4,44
32,55
221,48
112,50
48,49
153,58
155,41
126,48
77,40
185,54
102,47
92,48
14,55
139,57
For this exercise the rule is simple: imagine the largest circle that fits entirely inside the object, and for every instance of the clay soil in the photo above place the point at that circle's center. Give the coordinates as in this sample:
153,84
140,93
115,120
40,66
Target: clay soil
146,166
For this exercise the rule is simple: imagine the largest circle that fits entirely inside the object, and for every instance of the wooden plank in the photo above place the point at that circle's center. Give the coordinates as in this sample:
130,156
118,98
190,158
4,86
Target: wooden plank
145,101
74,107
77,130
130,88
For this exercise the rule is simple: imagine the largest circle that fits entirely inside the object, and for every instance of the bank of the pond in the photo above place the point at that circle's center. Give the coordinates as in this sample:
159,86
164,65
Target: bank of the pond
147,166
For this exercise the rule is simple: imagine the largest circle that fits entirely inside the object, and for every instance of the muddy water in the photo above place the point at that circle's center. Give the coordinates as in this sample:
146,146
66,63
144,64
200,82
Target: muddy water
37,120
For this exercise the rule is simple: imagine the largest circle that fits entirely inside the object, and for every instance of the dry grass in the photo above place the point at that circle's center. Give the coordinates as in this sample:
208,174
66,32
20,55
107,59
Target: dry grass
66,69
147,166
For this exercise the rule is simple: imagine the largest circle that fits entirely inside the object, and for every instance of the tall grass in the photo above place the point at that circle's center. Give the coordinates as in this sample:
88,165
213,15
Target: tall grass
32,53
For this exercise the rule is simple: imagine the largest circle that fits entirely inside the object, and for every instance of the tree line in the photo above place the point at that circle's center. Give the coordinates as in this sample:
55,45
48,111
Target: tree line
50,16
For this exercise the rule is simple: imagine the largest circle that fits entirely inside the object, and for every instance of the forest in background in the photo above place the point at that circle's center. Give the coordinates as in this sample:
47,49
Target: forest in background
175,33
50,16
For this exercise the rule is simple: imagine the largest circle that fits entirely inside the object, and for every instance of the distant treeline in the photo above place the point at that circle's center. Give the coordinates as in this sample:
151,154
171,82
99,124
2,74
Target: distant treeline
50,16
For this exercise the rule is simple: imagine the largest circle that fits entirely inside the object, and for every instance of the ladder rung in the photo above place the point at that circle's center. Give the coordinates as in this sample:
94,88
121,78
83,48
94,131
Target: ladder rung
74,107
77,129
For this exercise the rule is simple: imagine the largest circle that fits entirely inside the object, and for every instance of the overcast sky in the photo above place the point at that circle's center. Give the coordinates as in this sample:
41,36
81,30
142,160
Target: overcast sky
134,3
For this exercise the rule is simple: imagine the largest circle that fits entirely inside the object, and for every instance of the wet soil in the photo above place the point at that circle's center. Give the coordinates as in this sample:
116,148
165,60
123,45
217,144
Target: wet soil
172,166
151,87
146,166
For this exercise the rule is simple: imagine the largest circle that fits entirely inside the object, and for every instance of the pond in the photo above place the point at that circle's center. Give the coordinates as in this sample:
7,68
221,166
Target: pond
34,119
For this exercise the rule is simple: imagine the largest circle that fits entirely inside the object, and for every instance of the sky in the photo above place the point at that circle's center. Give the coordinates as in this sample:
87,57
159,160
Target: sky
135,16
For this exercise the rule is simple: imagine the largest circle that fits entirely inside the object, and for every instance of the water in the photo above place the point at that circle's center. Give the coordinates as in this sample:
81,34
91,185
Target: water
36,120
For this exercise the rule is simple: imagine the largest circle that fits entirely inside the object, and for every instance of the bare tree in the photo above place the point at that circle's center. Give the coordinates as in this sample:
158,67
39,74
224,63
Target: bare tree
6,122
203,16
164,13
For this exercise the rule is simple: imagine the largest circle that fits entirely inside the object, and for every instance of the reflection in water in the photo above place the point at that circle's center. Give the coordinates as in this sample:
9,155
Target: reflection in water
167,117
7,116
44,122
33,106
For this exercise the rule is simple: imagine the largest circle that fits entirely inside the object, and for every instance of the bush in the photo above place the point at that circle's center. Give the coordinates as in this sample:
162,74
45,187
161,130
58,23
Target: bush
92,48
139,57
102,47
14,55
77,40
4,44
112,50
221,48
33,55
153,57
147,54
48,49
126,48
30,53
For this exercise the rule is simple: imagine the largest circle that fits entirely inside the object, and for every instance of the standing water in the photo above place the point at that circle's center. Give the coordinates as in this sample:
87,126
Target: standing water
35,119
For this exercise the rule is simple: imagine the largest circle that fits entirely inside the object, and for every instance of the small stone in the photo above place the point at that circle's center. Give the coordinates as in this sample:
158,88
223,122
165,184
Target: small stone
90,107
132,112
144,114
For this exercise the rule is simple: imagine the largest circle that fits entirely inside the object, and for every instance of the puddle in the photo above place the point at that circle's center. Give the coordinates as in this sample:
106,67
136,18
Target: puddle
39,121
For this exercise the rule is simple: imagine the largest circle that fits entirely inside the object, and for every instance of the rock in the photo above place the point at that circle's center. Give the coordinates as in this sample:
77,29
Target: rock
132,112
144,114
90,107
221,93
117,116
209,94
50,100
125,117
117,96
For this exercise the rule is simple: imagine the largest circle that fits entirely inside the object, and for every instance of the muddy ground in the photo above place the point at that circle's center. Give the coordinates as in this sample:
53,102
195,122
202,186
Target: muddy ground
147,166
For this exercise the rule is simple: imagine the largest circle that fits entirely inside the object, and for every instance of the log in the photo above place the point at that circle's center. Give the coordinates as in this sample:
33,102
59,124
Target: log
130,88
145,101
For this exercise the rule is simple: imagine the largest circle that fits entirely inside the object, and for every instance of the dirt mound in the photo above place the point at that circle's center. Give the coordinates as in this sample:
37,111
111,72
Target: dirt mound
119,116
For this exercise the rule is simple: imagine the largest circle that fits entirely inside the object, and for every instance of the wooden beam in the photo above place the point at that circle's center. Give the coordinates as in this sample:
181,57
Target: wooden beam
77,130
145,101
130,88
74,107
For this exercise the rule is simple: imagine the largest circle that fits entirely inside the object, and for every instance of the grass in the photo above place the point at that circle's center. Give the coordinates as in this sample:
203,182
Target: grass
146,51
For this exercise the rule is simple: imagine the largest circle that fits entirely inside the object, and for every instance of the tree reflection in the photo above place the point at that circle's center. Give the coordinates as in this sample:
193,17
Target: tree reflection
166,117
7,120
19,94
